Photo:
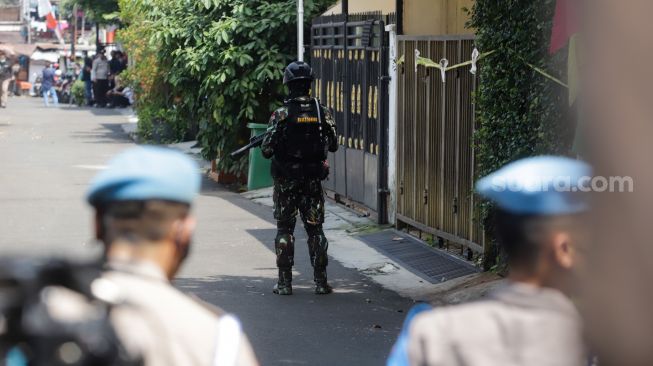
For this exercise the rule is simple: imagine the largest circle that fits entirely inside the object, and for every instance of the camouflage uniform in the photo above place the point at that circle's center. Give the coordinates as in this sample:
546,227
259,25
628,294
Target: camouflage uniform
299,193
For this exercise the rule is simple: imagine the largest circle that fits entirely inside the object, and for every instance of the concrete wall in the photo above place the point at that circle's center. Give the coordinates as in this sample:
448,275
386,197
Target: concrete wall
458,17
435,17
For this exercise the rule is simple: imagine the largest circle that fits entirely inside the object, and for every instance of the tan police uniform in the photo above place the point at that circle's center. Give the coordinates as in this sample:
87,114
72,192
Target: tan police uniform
517,324
168,327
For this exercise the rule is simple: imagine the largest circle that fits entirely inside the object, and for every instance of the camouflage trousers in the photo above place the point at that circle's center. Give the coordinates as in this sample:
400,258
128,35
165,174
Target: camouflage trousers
305,197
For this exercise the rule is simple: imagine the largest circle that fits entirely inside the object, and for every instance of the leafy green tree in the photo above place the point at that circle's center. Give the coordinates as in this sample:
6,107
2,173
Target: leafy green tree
96,10
221,63
145,72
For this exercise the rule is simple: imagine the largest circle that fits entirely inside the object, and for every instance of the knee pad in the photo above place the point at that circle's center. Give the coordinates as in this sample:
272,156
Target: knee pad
318,246
284,247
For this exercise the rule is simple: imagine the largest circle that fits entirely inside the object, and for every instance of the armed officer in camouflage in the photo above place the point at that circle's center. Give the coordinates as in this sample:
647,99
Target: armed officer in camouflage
299,136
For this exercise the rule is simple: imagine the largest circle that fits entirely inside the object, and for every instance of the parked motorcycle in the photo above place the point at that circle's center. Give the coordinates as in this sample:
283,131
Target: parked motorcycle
38,87
64,87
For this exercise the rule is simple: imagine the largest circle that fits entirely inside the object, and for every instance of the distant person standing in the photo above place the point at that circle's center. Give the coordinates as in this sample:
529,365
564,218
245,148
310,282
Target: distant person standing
47,85
117,64
124,61
115,68
101,82
112,66
15,70
86,78
5,79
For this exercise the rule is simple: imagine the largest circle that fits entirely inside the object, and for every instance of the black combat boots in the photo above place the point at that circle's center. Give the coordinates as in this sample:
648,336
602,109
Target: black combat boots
321,285
284,285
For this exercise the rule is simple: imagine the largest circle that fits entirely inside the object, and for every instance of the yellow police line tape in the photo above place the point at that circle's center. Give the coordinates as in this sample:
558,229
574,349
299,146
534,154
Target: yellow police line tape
443,67
427,62
547,75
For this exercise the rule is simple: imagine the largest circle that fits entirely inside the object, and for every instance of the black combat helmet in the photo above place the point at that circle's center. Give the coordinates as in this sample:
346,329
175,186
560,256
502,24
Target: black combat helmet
298,70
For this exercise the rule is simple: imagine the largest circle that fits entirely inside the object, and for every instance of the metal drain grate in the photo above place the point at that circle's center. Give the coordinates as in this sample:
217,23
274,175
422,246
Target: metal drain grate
430,264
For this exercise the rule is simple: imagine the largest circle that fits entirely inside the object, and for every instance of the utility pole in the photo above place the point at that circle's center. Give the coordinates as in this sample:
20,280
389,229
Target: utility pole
300,30
62,40
27,19
29,29
74,39
97,37
83,24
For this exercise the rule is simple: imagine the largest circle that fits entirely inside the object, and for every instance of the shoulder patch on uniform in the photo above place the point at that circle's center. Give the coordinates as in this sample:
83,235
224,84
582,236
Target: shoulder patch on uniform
281,113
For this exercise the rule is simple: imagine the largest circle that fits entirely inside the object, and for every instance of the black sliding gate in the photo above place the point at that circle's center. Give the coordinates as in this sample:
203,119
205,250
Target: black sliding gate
350,57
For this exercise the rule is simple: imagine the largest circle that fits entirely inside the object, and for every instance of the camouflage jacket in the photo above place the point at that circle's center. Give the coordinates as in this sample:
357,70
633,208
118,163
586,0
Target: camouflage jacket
276,125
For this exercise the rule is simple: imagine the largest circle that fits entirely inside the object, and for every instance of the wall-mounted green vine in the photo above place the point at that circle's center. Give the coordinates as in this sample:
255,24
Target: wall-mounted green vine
519,112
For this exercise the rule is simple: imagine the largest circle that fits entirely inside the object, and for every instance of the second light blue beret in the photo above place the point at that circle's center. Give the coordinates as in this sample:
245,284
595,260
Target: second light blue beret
146,173
543,185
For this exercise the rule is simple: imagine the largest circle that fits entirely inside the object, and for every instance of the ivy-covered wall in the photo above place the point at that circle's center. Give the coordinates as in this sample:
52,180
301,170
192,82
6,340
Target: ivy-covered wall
520,113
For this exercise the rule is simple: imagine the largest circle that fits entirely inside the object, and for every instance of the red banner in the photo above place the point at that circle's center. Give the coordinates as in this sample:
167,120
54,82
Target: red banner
564,24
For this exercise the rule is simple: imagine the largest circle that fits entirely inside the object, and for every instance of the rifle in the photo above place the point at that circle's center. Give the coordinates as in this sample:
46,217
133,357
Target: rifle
255,141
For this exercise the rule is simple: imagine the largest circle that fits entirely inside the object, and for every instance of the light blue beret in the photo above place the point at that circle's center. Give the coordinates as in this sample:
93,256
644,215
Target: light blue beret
544,185
146,173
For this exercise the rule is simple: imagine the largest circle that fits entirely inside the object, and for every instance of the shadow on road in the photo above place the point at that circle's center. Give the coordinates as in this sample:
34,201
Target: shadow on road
213,189
109,133
353,326
105,111
356,325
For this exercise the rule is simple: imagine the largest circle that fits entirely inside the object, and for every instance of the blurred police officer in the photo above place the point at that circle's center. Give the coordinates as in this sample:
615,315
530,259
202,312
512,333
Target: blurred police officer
531,320
299,136
142,207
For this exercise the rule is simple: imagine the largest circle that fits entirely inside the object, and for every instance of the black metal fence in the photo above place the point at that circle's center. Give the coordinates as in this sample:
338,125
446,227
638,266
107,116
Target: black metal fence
350,57
435,152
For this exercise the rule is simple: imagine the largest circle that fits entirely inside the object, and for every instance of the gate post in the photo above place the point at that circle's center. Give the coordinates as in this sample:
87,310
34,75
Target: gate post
391,146
346,102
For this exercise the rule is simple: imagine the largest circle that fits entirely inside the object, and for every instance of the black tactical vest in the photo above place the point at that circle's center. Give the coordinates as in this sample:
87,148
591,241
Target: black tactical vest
304,147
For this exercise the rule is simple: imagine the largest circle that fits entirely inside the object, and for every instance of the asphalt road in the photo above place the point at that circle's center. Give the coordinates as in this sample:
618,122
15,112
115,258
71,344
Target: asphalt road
48,156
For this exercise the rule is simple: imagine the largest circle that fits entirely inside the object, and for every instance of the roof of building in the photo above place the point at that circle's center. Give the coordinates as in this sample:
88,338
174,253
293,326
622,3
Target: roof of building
363,6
